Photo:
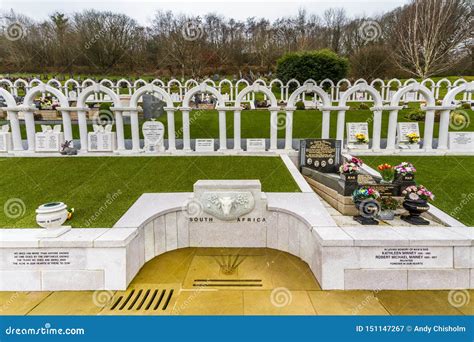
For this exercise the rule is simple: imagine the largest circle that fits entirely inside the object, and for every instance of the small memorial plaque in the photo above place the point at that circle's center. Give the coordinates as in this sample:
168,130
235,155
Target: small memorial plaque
153,133
354,128
405,128
386,189
48,141
101,141
323,155
255,145
461,141
5,139
364,179
204,145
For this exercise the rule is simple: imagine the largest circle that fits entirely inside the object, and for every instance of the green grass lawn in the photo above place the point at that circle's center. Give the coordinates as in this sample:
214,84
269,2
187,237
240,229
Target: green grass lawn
114,184
256,124
451,179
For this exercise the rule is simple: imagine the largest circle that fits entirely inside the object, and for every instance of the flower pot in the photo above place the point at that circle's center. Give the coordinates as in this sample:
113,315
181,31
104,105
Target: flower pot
51,215
415,208
415,146
367,210
386,215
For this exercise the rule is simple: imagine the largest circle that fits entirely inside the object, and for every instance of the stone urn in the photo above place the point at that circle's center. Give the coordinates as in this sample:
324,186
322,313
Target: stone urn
368,209
51,215
415,208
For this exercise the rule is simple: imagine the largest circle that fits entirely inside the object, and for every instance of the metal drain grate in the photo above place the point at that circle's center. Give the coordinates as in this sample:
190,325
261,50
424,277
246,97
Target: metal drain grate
142,300
227,283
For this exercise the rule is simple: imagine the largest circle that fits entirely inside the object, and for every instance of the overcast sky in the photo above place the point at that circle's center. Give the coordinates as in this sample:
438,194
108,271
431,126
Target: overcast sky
142,10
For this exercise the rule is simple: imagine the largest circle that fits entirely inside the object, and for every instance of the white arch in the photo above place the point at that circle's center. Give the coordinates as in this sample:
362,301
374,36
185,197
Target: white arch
71,80
158,81
34,82
56,82
203,88
139,81
309,88
190,83
414,87
9,99
208,80
255,88
150,88
22,81
44,88
362,87
409,81
8,83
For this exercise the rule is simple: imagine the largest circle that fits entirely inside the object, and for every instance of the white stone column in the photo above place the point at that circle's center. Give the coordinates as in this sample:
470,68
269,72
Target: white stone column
67,125
82,120
119,129
325,126
186,129
289,129
30,129
135,131
376,127
273,128
392,126
222,129
429,125
16,132
443,129
237,130
171,128
341,120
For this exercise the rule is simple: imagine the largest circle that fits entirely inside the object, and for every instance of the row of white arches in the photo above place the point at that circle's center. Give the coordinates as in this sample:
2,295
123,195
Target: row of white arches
230,89
325,104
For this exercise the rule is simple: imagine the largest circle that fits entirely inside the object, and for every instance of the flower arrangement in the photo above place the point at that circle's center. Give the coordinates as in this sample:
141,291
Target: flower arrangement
362,138
388,203
405,168
417,192
413,138
351,166
387,171
365,193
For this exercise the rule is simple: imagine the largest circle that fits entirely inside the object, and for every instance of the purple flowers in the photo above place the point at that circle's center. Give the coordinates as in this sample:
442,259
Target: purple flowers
405,168
351,166
416,192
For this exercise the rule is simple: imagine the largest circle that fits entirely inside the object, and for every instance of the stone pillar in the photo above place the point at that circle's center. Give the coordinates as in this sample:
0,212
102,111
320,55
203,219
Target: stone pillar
443,129
30,129
119,129
171,129
273,128
222,129
186,132
392,129
376,127
429,125
16,132
289,130
67,125
341,119
237,131
82,120
135,131
325,127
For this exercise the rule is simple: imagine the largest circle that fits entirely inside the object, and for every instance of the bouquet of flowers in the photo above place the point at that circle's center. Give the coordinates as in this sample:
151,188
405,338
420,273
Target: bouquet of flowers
351,166
387,172
413,138
417,192
405,168
362,138
388,203
365,193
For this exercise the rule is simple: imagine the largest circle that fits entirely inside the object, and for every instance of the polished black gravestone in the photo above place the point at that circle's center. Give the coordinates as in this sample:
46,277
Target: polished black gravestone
323,155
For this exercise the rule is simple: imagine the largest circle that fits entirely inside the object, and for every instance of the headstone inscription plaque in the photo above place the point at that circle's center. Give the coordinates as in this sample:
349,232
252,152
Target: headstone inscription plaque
323,155
153,133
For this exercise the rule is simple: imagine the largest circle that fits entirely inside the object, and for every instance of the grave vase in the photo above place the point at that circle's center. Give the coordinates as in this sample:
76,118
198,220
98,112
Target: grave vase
415,208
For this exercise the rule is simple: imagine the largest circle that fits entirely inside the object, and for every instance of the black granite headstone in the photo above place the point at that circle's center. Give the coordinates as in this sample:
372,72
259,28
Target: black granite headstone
153,107
323,155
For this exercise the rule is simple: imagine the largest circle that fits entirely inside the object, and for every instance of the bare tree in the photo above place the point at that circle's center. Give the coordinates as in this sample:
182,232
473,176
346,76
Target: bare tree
428,35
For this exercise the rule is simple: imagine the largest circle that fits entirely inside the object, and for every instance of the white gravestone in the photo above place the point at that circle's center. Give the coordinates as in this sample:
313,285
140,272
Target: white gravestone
204,145
405,128
461,141
353,128
49,139
102,139
153,133
5,139
255,145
